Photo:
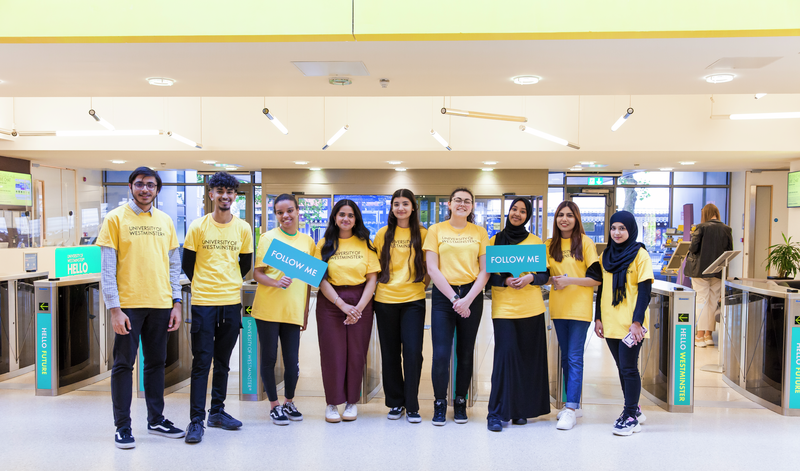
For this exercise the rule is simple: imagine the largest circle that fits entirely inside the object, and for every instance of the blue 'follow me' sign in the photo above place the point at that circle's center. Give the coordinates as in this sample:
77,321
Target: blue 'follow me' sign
516,259
294,263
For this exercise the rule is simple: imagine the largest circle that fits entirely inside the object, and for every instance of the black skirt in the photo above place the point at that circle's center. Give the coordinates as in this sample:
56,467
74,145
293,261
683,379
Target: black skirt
520,386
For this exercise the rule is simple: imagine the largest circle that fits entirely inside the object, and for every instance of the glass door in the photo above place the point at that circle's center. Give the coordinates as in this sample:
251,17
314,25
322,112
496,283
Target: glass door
596,210
314,213
489,214
536,222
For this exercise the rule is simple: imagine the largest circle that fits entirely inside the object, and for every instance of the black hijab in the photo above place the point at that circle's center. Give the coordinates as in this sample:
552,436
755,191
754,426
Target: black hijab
511,234
617,257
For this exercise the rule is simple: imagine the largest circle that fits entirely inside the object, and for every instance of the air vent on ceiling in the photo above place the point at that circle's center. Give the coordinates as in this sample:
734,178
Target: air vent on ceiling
742,62
327,69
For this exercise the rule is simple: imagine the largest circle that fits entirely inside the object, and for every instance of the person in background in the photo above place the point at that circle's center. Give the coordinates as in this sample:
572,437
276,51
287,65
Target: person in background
140,275
344,311
709,240
400,305
281,310
575,271
622,309
456,261
520,388
217,254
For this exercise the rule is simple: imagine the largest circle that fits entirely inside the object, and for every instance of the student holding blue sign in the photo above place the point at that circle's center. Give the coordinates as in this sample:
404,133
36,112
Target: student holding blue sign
344,311
520,388
456,260
574,268
621,312
400,305
280,308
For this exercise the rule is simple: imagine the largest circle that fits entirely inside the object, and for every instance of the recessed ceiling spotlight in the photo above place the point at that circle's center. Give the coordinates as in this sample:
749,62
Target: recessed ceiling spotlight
161,81
394,162
118,161
719,78
488,169
587,163
399,169
315,169
230,169
300,162
666,169
209,162
227,165
760,95
526,79
686,163
489,162
1,81
340,81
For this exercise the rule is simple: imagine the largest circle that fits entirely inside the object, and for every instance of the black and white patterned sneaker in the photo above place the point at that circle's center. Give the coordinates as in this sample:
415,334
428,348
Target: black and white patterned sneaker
395,413
165,428
439,412
277,416
413,417
291,411
124,438
460,410
626,425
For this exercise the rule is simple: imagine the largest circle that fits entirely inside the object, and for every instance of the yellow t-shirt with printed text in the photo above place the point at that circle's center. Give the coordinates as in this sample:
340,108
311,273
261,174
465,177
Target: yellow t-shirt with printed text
617,320
276,304
142,243
573,302
401,287
217,279
351,263
459,250
510,303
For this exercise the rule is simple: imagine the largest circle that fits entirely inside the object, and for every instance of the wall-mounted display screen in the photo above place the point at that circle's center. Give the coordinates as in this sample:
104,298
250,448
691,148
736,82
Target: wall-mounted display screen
793,190
15,189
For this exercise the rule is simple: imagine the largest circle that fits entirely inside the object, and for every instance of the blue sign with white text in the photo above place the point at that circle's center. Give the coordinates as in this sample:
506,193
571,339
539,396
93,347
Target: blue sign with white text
516,259
294,263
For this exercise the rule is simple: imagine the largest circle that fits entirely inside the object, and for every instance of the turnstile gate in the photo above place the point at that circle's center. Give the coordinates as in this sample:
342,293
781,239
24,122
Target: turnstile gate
72,348
17,324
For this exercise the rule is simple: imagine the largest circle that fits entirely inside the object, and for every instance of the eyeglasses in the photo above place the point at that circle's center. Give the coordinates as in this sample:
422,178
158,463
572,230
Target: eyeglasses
149,185
460,201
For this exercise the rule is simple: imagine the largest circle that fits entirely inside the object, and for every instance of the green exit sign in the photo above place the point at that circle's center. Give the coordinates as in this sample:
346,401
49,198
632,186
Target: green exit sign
595,180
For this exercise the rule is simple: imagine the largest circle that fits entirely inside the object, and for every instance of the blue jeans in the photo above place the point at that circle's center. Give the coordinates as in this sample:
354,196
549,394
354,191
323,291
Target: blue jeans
571,339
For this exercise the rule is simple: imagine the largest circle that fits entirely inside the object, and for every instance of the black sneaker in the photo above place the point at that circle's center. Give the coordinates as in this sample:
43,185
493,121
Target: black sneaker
224,420
165,428
124,438
194,431
460,410
413,417
519,421
291,411
395,413
439,412
626,425
494,425
277,416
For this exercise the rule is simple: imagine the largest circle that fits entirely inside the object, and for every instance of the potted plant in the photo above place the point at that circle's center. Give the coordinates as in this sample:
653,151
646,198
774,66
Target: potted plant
785,258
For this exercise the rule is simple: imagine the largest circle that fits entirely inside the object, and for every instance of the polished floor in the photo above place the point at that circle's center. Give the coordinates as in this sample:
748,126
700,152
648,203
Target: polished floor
726,430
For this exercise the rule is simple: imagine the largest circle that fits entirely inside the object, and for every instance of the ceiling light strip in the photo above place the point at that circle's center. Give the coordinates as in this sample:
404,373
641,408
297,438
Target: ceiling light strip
549,137
184,140
93,133
481,115
100,120
746,116
440,139
622,119
275,121
336,136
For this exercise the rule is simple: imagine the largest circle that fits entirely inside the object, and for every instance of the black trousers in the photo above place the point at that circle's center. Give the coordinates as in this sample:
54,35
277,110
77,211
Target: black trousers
149,325
215,330
289,335
445,325
627,359
400,329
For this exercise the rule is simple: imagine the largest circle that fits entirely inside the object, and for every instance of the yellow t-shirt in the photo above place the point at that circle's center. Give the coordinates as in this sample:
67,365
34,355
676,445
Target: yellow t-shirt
275,304
142,243
351,263
573,302
617,320
217,279
458,250
510,303
400,288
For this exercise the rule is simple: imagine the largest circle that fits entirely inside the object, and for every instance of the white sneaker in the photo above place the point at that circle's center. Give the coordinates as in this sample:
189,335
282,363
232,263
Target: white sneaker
567,420
332,414
699,342
578,413
350,412
709,341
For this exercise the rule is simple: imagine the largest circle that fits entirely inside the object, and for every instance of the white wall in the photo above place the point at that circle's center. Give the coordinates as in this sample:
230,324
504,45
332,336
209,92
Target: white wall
736,221
780,214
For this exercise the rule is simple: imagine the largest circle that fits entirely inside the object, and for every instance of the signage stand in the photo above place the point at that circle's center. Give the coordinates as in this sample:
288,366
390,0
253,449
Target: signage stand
720,265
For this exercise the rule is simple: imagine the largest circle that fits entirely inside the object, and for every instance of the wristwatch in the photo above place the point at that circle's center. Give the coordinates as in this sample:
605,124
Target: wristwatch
455,298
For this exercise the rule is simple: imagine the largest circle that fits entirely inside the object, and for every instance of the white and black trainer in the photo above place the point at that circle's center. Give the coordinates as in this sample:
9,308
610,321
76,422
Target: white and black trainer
165,428
124,438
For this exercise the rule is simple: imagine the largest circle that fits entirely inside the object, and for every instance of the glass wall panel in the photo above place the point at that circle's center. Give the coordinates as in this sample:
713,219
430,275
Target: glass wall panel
688,178
427,210
635,177
650,207
374,210
555,178
716,178
554,197
488,214
314,213
682,196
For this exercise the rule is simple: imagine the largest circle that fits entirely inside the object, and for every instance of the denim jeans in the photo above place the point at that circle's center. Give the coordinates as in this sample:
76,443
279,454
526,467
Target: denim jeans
571,340
627,359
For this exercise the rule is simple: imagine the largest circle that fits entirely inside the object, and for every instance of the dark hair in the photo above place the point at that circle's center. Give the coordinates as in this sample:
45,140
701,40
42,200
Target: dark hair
332,231
146,172
416,241
223,180
285,197
471,215
576,246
